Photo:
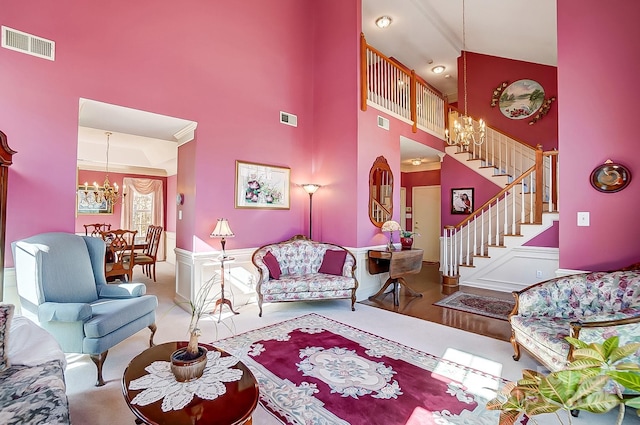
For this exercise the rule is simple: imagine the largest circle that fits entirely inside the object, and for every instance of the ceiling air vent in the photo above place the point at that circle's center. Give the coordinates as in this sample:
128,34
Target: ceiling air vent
27,43
383,122
288,119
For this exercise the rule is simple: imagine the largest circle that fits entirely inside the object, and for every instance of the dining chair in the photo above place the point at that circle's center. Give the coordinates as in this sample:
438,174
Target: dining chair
119,259
95,229
149,257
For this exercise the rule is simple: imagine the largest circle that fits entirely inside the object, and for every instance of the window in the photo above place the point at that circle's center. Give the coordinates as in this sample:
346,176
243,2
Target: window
142,215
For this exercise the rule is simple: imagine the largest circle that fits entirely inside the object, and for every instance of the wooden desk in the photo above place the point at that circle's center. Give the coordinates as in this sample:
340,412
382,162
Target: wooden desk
398,264
233,408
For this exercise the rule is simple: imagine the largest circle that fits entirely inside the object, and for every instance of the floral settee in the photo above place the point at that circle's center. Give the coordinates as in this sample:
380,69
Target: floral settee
32,387
300,269
590,306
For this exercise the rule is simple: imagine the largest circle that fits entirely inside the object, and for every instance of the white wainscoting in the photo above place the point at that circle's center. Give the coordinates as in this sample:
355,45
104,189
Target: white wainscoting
170,247
517,269
192,269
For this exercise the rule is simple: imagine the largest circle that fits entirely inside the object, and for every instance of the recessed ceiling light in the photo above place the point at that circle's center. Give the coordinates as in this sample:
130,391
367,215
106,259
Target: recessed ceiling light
416,161
383,21
438,69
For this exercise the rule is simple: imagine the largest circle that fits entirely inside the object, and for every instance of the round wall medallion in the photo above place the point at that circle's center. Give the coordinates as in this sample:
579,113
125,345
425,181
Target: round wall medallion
521,99
610,177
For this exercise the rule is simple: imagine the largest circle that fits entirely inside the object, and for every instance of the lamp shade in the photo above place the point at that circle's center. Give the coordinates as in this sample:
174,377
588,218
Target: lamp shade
222,229
390,226
311,188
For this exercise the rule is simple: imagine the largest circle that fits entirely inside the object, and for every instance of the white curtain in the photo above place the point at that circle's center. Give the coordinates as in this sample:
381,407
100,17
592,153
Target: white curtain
144,187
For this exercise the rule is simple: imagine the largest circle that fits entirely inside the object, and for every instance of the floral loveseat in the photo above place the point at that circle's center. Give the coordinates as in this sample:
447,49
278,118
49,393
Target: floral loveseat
590,306
32,387
301,269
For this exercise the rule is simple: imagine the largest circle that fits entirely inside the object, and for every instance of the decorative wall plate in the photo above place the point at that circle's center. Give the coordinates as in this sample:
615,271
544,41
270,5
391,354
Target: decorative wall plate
610,177
521,99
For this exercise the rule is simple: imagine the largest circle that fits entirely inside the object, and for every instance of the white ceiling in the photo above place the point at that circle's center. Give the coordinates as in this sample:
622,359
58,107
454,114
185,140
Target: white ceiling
423,34
141,142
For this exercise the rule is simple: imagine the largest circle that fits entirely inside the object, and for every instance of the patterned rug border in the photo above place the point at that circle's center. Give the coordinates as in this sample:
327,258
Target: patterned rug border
453,297
245,340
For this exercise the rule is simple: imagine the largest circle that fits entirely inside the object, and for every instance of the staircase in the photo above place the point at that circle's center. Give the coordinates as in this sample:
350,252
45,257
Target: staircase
491,236
526,206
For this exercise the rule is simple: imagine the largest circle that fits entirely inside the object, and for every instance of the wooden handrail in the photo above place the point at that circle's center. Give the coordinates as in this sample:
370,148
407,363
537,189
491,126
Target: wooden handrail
497,196
364,88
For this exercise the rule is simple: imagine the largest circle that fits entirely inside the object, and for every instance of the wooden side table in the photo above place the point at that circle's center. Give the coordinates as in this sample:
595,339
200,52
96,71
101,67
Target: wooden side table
235,407
398,264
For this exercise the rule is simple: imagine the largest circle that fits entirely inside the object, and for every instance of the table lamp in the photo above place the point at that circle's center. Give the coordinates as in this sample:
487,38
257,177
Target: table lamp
390,226
222,230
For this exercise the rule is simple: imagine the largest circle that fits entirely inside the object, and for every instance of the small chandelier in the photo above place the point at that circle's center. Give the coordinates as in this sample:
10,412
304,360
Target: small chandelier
465,130
109,193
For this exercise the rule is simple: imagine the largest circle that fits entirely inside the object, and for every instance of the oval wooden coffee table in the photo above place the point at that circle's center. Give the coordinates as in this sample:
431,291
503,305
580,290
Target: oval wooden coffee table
232,408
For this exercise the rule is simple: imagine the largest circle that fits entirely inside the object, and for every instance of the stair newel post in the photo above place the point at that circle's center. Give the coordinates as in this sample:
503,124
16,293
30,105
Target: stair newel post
539,183
450,275
413,99
363,72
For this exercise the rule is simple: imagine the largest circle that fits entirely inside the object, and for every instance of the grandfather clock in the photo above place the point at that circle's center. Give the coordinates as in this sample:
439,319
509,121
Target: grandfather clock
5,161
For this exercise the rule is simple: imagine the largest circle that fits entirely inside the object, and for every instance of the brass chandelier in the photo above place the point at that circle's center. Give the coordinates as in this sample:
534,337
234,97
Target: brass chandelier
465,130
108,192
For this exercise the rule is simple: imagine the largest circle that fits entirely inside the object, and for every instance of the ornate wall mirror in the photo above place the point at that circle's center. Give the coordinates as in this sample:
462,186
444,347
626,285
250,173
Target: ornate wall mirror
380,192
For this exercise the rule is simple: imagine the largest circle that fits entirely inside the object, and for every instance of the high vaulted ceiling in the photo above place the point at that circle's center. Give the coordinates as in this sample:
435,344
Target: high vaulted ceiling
422,35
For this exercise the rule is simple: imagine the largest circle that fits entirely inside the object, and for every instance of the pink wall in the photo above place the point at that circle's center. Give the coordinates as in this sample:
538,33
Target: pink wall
594,127
455,175
335,128
550,238
172,207
113,219
233,81
485,73
374,141
186,183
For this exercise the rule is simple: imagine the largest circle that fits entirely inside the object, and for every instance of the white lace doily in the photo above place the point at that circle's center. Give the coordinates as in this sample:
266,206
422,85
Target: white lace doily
161,384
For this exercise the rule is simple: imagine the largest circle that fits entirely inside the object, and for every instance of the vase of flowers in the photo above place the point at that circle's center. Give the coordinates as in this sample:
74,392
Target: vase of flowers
406,238
188,363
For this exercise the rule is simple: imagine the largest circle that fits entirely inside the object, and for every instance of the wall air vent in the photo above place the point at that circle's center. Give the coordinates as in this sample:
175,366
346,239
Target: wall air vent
288,119
383,122
27,43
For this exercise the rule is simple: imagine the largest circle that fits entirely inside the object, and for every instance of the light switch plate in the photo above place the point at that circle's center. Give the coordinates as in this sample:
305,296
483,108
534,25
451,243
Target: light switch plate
583,218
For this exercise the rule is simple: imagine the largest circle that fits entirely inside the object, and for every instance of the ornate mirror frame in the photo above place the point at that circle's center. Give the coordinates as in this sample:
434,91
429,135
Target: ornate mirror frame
380,192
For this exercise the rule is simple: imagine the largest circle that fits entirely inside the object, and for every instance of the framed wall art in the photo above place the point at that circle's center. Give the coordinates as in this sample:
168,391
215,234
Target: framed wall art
521,99
262,186
90,201
462,201
610,177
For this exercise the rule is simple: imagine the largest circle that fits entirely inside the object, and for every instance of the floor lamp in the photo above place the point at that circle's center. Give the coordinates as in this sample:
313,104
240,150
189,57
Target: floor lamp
222,230
310,188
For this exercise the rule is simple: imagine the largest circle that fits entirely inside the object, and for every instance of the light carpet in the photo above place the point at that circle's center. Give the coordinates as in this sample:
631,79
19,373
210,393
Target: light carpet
105,405
314,370
483,305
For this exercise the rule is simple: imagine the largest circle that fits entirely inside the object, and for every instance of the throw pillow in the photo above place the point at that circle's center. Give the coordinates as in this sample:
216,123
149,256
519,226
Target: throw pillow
333,262
272,264
6,314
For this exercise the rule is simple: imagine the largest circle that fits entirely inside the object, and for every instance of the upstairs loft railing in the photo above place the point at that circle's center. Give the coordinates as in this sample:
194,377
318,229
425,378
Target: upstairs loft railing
522,202
391,87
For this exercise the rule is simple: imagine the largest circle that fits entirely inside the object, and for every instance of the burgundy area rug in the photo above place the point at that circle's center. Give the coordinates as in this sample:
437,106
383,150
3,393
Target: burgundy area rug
314,370
478,304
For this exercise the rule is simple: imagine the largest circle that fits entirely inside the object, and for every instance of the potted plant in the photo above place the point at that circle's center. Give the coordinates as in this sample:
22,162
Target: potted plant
188,363
406,238
594,381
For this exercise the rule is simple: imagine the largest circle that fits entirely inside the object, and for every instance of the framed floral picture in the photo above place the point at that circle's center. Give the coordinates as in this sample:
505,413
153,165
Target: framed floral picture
462,201
262,186
90,201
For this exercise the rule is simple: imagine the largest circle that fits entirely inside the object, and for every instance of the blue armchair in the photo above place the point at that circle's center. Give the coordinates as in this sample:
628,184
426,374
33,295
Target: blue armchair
62,286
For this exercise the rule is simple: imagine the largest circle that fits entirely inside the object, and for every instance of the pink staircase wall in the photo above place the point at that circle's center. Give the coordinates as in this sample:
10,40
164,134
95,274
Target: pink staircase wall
598,54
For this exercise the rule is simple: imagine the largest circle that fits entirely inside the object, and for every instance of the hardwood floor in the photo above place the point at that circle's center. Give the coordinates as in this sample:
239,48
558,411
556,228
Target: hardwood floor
428,283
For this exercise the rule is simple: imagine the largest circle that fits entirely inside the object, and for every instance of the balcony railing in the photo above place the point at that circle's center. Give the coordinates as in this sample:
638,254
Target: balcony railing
389,86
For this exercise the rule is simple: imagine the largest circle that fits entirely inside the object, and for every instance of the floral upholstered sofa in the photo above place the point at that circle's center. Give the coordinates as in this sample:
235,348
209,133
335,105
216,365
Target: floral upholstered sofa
591,307
32,386
300,269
